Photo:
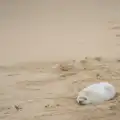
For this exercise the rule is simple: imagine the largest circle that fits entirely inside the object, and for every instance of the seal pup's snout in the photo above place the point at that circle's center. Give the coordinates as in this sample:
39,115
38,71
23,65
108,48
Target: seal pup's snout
82,100
81,103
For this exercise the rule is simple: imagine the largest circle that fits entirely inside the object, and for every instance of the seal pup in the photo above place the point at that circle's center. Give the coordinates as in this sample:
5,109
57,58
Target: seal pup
96,93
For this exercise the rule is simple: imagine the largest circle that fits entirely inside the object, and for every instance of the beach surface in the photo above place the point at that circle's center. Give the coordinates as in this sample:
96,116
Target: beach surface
50,50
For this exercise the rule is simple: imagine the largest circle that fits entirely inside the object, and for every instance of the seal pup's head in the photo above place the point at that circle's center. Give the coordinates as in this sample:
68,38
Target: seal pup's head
83,98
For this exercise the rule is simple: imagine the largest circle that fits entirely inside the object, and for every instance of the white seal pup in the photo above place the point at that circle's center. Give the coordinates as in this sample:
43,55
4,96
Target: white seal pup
96,93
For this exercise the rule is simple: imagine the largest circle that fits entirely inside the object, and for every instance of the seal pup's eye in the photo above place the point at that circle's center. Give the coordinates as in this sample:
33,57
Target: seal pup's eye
83,98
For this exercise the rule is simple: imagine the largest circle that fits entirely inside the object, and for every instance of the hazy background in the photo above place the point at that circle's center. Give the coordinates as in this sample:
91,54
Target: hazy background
35,30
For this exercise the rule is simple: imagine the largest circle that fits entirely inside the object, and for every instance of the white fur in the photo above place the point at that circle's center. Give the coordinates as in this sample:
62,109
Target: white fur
96,93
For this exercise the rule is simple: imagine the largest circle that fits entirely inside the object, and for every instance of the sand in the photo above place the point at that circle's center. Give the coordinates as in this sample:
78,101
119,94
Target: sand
50,50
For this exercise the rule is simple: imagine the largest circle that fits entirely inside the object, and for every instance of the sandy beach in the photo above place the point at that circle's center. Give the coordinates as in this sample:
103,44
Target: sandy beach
37,38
